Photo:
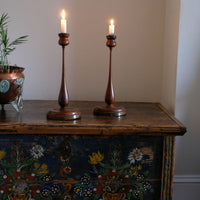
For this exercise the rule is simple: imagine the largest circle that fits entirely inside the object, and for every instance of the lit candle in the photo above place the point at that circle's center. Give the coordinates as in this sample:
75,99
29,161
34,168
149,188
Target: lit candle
63,23
111,27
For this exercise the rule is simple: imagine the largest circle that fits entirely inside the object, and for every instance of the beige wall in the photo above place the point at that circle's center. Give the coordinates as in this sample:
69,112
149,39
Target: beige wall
137,59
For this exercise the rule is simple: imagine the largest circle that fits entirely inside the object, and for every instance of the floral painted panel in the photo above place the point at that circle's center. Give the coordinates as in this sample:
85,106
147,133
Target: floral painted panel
48,167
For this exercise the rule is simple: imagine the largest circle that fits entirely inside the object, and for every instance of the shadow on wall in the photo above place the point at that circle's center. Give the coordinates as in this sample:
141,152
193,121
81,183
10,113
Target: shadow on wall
188,89
187,110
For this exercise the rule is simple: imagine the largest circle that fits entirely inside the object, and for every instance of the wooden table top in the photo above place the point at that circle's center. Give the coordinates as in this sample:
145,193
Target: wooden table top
141,119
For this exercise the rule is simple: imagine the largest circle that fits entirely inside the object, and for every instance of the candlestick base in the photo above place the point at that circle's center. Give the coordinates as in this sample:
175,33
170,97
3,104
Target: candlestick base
64,114
110,110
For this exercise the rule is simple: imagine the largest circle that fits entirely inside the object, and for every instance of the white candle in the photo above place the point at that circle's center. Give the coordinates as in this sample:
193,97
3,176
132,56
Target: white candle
111,27
63,23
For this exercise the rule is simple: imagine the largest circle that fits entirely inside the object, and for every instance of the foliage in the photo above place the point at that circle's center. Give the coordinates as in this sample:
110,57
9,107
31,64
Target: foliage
6,47
114,179
23,177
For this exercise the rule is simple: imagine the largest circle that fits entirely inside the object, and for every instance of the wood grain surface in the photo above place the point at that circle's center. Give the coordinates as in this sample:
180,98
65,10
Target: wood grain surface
141,119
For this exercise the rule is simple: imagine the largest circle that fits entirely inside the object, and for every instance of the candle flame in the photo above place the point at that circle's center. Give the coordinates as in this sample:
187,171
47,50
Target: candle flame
63,14
112,21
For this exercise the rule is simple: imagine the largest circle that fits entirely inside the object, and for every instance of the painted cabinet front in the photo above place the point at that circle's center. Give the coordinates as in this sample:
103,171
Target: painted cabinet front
47,167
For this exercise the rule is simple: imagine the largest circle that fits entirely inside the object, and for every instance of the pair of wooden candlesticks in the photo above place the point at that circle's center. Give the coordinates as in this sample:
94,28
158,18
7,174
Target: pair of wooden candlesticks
67,113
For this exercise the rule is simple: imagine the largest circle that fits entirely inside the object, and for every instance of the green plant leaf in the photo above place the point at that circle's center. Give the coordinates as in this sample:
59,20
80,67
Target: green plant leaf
7,47
18,41
3,19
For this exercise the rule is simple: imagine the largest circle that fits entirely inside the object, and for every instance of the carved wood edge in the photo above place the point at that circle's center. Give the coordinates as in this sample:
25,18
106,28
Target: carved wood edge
182,127
168,168
86,130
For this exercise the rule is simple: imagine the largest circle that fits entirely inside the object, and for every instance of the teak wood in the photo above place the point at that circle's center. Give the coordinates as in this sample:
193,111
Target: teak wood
63,98
110,109
64,112
142,118
147,126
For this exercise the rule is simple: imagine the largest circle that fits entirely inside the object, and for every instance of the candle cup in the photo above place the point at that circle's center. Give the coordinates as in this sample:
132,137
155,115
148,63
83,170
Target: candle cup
64,112
63,39
110,109
111,41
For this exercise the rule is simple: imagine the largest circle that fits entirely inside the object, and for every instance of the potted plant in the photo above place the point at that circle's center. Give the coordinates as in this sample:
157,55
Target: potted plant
11,77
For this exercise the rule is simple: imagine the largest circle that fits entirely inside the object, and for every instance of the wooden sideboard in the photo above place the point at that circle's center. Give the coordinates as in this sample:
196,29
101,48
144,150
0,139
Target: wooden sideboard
96,157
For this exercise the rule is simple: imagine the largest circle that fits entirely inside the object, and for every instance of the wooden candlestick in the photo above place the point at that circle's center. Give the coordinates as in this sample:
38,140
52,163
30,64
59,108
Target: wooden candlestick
64,112
109,108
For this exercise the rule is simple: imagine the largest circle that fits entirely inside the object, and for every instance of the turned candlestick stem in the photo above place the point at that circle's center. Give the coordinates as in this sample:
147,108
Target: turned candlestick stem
109,108
110,95
63,113
63,98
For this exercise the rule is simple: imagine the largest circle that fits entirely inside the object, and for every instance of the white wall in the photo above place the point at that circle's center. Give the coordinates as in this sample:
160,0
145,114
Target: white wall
188,88
137,59
188,103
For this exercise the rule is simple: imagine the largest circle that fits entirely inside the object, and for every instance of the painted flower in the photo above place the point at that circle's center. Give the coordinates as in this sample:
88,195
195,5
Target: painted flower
88,192
7,178
47,179
17,174
41,169
112,174
37,151
56,188
98,189
127,189
139,167
45,192
140,177
102,178
78,190
30,177
34,190
138,192
124,178
95,158
85,180
133,171
147,186
2,154
135,155
4,189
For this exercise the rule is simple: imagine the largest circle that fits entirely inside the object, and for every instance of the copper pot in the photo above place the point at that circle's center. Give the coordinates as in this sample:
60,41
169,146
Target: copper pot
11,83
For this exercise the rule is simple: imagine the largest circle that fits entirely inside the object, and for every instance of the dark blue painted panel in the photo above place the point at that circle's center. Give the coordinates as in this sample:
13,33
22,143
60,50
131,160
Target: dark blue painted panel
48,167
